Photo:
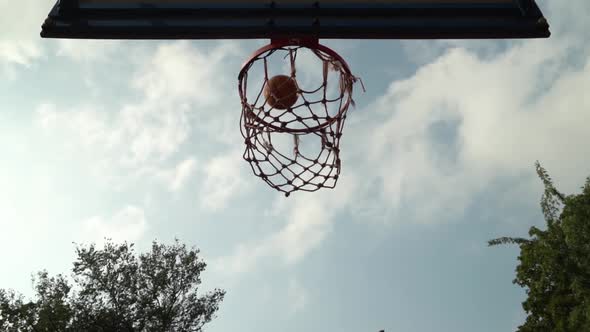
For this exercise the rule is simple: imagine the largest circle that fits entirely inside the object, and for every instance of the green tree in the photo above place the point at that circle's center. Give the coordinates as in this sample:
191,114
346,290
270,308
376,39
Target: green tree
114,289
554,263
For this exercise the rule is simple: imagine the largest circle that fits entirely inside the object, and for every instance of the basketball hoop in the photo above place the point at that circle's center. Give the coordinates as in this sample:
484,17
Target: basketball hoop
281,107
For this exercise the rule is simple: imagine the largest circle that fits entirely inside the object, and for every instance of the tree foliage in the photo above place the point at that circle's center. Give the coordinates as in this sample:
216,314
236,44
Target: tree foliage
554,263
114,289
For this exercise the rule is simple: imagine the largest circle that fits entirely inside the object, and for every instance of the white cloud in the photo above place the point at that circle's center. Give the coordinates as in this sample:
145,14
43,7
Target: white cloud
128,225
179,71
137,141
87,50
23,19
224,179
297,297
310,220
568,18
140,138
19,52
151,132
501,114
182,173
20,24
174,178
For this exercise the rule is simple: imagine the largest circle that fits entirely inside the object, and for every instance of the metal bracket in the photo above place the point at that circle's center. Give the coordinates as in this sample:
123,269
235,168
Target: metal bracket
307,42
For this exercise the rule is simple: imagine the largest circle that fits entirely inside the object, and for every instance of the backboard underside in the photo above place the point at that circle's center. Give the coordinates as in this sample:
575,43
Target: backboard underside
325,19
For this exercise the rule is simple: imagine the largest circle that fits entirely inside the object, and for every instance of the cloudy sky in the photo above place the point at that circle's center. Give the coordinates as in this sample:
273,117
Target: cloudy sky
140,141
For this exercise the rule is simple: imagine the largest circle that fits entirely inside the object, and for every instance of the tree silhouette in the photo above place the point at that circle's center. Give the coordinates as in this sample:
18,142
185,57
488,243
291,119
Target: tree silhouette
555,263
114,289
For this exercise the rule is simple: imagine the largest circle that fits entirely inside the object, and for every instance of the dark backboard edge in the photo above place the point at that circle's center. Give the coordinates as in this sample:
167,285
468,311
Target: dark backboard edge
521,19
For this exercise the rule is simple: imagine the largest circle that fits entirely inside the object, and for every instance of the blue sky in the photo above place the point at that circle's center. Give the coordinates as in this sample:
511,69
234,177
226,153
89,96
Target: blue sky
140,141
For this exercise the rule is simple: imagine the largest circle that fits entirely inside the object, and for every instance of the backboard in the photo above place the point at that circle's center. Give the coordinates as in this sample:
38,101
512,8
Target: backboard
322,19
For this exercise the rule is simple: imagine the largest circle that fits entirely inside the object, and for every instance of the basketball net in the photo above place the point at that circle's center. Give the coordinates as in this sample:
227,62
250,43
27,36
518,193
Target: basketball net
314,116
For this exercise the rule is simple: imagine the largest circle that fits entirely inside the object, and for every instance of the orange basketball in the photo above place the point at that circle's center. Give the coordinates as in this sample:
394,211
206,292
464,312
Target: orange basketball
281,92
